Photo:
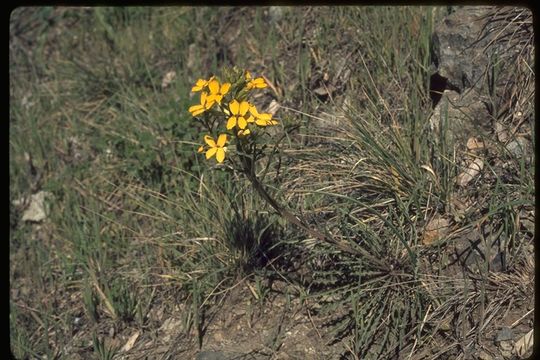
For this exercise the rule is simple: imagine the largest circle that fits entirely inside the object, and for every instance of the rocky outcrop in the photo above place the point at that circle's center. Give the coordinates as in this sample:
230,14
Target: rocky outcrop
456,51
474,51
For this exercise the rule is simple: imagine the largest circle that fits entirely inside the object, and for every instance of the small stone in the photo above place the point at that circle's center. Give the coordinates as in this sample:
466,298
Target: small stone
170,328
273,107
435,229
211,355
505,334
38,209
470,173
168,79
502,133
475,144
77,321
462,115
518,147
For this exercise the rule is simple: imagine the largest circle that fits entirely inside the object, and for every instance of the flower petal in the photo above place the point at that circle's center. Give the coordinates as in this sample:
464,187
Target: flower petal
199,85
267,117
234,106
242,123
213,86
209,140
200,149
259,83
231,123
196,110
211,152
225,88
221,140
253,110
220,155
244,107
210,101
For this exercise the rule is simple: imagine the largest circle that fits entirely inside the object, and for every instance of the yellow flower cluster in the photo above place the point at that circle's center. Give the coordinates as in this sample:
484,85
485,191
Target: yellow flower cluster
230,105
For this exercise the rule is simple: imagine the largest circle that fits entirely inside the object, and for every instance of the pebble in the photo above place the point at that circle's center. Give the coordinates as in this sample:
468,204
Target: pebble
505,334
211,355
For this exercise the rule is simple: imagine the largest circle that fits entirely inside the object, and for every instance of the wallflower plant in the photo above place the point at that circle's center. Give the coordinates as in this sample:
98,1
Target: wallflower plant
229,117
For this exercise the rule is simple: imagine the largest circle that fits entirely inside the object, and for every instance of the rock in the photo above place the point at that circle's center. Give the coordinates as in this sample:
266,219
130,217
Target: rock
505,334
501,132
435,229
473,169
168,79
462,115
170,328
211,355
475,144
273,107
472,252
498,263
519,147
38,209
457,60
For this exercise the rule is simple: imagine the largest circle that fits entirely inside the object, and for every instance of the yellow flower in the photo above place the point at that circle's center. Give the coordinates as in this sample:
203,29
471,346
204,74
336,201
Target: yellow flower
217,92
201,84
216,147
238,118
257,83
202,107
262,119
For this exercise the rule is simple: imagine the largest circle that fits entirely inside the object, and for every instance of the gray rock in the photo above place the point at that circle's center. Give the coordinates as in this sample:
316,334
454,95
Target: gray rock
211,355
463,115
498,262
452,47
505,334
519,147
38,208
